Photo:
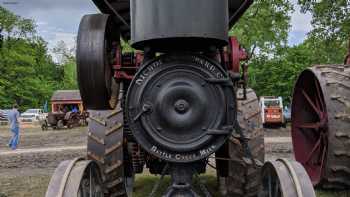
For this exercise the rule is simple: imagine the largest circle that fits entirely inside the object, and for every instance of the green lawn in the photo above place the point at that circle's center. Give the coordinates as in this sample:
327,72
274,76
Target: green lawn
144,184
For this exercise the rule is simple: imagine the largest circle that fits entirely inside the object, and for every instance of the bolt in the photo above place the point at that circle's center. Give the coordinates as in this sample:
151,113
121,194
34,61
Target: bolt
181,106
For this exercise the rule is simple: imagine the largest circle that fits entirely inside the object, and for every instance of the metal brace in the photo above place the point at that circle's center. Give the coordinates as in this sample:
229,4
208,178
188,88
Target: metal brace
145,108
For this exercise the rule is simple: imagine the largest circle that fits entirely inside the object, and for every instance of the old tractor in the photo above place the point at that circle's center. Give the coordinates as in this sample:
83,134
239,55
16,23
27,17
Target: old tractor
321,124
177,105
67,111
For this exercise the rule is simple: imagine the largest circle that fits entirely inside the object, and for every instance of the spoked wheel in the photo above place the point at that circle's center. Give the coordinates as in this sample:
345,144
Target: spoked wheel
76,178
284,178
240,177
98,38
320,124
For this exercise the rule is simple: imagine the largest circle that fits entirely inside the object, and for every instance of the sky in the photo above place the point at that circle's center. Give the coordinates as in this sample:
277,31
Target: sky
59,19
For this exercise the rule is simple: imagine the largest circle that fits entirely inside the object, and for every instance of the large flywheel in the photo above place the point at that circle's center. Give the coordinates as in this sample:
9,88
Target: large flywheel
321,122
98,39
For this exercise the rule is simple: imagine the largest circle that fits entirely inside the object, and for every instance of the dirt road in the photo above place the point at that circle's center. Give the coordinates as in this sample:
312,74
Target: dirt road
26,171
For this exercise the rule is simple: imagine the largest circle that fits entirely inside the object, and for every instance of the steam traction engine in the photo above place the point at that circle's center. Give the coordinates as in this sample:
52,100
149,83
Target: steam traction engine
177,107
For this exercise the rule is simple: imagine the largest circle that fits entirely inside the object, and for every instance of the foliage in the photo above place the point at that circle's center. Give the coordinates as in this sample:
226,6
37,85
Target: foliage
331,28
277,76
275,68
15,26
28,75
331,19
66,60
264,26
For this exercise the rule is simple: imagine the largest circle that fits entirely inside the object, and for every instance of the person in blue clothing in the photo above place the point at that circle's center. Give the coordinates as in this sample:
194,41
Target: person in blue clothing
75,110
13,117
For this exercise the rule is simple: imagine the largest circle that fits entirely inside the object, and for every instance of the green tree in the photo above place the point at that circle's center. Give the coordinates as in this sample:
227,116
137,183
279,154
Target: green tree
265,26
331,29
67,63
263,31
27,73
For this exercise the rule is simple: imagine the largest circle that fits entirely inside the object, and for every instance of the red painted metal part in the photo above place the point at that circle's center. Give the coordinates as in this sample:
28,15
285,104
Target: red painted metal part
310,125
126,64
237,55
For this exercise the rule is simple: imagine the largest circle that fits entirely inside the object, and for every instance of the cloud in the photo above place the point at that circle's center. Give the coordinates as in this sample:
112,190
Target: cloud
301,22
301,25
59,19
55,20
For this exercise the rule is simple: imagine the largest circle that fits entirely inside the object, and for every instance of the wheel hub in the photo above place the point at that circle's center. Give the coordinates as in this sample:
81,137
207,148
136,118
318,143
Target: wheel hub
181,106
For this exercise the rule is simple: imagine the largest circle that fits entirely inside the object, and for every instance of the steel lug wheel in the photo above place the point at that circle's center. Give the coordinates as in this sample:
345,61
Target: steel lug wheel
76,178
283,178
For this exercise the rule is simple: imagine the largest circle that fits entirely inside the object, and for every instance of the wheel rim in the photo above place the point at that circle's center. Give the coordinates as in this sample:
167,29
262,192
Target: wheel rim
282,178
310,125
271,183
98,39
90,184
76,178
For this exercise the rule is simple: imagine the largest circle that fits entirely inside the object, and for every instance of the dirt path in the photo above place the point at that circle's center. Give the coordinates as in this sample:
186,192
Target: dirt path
41,150
35,138
26,171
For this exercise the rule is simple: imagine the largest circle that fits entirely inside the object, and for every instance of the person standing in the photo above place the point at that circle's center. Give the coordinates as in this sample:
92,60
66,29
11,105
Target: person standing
13,117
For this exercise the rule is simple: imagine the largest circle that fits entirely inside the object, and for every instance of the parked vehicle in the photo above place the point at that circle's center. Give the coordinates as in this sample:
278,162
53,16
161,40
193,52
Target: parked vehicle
272,111
3,117
67,111
32,115
287,114
60,120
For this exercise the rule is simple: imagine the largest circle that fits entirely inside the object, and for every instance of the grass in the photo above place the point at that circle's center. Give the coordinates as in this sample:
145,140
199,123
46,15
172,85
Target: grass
320,193
144,184
35,186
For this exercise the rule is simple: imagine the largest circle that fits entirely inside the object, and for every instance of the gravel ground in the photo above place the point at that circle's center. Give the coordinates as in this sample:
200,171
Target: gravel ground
26,174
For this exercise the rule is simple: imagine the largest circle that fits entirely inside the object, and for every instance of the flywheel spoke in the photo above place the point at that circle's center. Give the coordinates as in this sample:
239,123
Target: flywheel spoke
309,125
311,154
324,152
309,135
277,189
270,185
319,97
312,104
